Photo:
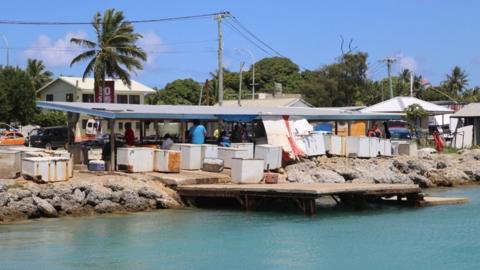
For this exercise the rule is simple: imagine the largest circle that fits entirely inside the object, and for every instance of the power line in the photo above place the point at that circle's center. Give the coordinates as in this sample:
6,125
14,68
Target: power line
54,23
246,37
235,20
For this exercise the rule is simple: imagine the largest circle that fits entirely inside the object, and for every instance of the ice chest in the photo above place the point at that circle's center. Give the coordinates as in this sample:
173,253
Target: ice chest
228,153
45,169
135,159
248,146
167,161
212,165
247,170
209,151
96,165
271,154
191,155
358,147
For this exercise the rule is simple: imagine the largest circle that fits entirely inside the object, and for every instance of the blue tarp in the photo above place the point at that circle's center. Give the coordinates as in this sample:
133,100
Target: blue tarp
237,118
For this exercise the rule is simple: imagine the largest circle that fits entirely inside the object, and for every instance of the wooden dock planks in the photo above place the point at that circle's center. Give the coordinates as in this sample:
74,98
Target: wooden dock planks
303,194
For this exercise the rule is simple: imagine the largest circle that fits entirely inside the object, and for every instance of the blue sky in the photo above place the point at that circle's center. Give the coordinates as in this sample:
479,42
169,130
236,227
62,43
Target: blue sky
429,36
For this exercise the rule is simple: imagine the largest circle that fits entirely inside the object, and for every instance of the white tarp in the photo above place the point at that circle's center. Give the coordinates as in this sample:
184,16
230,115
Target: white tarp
399,104
290,137
464,137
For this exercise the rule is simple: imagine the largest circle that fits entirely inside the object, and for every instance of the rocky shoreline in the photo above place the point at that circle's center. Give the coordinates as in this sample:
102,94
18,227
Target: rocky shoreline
101,193
427,170
85,194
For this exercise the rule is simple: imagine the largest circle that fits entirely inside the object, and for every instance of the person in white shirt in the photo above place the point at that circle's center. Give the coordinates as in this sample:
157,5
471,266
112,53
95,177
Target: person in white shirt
167,142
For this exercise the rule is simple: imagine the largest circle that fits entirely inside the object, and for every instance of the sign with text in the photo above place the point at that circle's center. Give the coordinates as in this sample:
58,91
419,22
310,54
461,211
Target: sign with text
105,93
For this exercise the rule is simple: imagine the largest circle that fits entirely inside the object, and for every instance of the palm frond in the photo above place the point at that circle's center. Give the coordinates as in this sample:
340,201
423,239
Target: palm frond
83,56
83,42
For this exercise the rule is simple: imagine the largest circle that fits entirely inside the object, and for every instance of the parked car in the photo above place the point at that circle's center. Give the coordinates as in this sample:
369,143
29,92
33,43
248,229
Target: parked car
12,138
50,137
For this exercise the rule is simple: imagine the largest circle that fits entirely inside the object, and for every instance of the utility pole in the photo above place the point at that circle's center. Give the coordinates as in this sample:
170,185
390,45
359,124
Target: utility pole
253,68
219,18
390,61
240,85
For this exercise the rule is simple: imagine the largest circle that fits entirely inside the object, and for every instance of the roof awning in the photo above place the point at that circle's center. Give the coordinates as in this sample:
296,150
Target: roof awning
188,112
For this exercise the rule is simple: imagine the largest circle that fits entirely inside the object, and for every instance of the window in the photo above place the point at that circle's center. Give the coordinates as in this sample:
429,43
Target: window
88,98
120,125
49,97
84,124
69,97
134,99
122,99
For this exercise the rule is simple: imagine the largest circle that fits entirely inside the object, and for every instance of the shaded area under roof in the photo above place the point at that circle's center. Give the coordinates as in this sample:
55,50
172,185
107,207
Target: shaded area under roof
399,104
188,112
470,110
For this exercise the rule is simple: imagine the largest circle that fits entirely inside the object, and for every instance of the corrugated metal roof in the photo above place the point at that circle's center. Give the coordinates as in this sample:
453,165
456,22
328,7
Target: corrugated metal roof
398,105
470,110
131,111
88,83
268,102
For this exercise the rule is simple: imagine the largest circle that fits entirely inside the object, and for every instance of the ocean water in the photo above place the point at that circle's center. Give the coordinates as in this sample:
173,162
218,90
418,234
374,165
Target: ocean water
442,237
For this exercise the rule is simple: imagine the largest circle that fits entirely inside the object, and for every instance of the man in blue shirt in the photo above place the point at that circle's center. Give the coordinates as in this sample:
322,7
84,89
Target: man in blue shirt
197,133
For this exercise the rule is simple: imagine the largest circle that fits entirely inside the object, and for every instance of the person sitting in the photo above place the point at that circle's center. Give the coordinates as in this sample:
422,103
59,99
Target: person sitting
198,133
167,142
374,132
224,139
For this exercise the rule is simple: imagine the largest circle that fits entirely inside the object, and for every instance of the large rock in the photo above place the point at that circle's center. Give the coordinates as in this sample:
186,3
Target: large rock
19,193
25,206
132,202
46,209
421,180
46,193
318,175
3,187
300,172
108,206
149,193
78,195
4,198
447,177
97,194
114,186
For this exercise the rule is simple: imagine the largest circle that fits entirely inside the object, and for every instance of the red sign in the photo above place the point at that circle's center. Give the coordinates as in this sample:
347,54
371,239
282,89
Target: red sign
105,93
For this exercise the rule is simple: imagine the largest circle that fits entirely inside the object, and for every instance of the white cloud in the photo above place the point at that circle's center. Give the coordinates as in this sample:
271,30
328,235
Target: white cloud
58,53
407,62
153,45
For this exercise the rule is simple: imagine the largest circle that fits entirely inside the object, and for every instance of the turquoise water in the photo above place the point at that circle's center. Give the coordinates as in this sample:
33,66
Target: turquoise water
443,237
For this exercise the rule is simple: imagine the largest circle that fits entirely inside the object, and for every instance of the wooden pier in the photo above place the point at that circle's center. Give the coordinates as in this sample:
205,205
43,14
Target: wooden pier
250,196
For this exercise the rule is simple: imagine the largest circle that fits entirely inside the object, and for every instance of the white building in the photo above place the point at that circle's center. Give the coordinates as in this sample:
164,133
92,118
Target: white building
75,89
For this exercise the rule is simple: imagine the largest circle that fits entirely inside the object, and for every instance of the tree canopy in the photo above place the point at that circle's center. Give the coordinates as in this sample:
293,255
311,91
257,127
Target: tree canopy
114,54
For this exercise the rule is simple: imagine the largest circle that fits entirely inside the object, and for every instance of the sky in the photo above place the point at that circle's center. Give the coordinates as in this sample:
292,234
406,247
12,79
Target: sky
427,36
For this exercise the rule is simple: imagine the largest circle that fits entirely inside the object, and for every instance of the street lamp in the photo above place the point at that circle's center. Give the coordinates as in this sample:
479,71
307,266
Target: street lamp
7,47
253,68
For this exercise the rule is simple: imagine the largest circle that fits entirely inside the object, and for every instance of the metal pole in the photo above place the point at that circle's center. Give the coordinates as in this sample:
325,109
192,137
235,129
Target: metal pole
389,62
253,69
220,59
112,145
240,85
200,97
7,46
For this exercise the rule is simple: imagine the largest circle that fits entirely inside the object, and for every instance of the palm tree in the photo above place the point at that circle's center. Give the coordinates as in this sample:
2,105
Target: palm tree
37,73
456,81
114,54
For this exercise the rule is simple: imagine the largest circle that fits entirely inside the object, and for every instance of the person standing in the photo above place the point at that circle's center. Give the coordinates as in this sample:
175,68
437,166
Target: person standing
129,135
197,133
167,142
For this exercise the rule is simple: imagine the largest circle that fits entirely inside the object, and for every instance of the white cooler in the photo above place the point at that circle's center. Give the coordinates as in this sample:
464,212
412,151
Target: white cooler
248,146
46,169
271,154
191,155
209,151
135,159
314,144
228,153
247,170
358,147
167,161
